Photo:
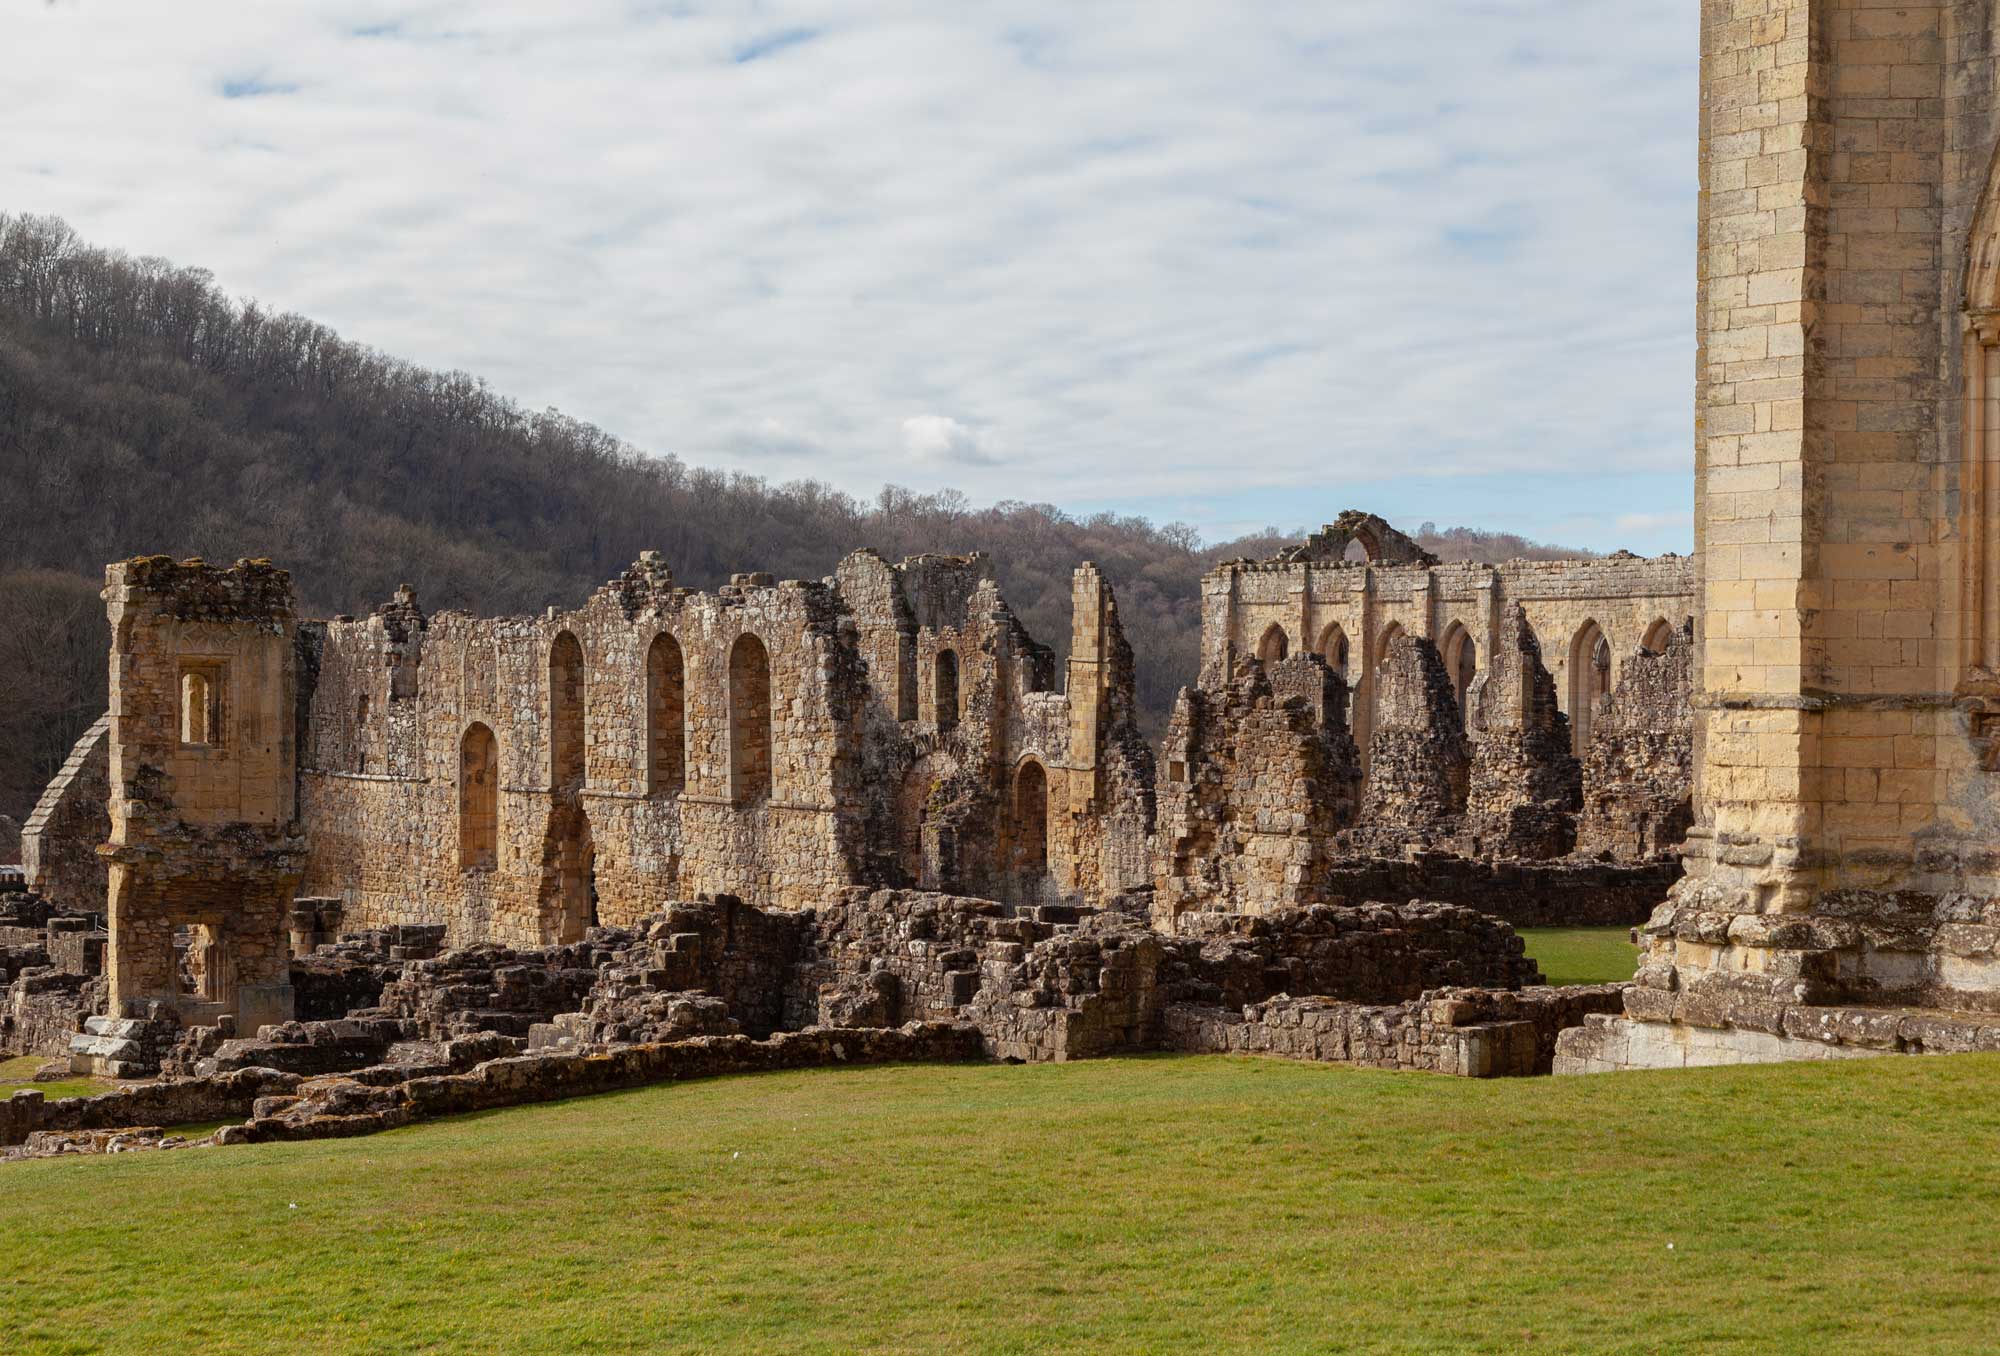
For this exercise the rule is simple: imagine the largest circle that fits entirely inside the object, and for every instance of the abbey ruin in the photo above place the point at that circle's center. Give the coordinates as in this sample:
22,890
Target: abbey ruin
265,787
335,875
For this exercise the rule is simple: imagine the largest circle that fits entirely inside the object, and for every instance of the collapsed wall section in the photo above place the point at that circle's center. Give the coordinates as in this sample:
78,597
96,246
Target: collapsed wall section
1260,777
69,823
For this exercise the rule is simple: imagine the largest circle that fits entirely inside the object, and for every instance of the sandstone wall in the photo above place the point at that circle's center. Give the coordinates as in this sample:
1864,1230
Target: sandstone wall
69,823
913,739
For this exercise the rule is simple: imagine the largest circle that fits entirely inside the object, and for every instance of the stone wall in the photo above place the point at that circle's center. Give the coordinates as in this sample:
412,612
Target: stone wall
1260,776
1472,1033
71,820
914,738
1419,765
1526,786
1571,892
1347,611
1638,773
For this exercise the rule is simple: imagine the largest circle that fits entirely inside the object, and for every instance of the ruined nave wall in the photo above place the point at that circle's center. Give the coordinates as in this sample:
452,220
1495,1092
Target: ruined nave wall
385,777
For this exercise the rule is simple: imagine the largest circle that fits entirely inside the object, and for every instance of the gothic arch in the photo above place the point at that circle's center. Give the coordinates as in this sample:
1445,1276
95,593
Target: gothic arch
1333,648
1389,634
1589,681
1461,664
1657,636
1273,645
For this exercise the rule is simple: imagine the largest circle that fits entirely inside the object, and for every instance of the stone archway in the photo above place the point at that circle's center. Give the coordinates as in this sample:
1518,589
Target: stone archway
1589,681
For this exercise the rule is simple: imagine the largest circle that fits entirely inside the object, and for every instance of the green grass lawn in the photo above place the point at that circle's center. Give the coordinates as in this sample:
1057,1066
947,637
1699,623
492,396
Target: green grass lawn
1582,955
19,1073
1135,1205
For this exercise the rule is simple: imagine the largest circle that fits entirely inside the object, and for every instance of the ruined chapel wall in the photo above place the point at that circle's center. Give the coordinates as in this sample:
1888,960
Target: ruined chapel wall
389,844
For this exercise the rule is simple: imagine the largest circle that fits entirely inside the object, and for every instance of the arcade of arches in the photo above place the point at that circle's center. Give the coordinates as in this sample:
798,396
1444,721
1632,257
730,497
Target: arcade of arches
520,780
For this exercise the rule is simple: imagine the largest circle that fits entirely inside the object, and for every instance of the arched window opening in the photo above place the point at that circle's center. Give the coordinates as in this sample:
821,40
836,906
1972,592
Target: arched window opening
478,798
1274,645
1461,661
749,720
666,717
1356,553
198,713
1031,820
1389,634
944,690
566,714
1658,636
1589,681
1333,648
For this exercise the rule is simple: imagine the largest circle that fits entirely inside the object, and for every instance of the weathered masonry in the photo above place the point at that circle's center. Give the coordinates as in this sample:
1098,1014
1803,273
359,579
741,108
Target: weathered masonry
1844,887
274,783
522,779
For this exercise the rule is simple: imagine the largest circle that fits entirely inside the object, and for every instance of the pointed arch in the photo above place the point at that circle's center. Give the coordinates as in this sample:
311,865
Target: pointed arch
1333,648
666,717
1273,645
1589,681
749,720
1461,664
1658,636
1388,636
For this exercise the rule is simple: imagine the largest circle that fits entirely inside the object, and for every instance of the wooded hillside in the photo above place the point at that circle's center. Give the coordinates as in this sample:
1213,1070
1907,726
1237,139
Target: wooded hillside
144,410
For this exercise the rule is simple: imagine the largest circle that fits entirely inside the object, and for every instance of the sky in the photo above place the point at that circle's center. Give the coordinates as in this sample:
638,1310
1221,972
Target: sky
1231,263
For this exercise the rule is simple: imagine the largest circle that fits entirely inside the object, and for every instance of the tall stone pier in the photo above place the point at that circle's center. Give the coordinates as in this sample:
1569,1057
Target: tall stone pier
1845,863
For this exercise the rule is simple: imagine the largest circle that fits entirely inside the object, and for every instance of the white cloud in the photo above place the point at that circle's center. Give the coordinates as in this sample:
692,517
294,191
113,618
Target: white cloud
1171,250
938,437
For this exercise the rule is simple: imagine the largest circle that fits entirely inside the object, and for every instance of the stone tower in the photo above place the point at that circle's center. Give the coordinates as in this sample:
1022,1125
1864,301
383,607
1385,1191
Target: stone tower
205,852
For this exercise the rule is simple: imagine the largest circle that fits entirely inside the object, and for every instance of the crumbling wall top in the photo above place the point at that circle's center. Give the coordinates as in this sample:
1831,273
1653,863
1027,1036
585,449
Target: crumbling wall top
194,590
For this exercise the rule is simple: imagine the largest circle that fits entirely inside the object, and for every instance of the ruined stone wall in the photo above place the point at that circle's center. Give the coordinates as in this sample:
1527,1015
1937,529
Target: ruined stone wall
1526,786
1638,774
1419,765
70,822
1260,777
612,844
913,739
1470,1033
1335,607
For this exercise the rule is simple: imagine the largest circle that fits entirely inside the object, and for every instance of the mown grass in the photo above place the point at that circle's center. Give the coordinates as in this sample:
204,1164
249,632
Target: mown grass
19,1073
1135,1205
1582,955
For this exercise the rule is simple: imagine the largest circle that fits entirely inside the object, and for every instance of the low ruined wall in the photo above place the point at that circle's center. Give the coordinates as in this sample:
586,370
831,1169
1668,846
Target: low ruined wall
1472,1033
225,1097
333,1108
1373,953
40,1013
1564,893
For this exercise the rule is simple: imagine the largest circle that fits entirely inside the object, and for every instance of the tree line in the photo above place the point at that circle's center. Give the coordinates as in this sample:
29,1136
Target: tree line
143,409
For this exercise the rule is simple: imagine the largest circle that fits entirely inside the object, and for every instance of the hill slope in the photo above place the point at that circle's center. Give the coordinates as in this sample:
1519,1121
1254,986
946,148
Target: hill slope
144,410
